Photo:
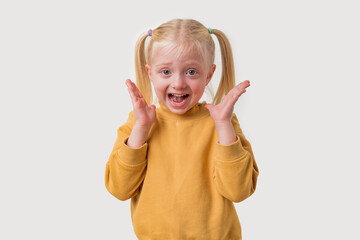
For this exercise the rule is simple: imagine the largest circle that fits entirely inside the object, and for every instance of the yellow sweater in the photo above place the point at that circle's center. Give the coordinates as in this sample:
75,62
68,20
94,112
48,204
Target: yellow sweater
182,182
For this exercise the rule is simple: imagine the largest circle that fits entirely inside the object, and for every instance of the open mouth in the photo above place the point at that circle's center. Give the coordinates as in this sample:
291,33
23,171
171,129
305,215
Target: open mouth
178,98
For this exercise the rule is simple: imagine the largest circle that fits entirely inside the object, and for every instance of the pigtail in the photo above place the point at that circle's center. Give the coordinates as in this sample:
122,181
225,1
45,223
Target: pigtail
142,77
227,81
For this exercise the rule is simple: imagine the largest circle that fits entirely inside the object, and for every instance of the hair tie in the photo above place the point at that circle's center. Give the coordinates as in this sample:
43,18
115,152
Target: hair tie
150,32
210,30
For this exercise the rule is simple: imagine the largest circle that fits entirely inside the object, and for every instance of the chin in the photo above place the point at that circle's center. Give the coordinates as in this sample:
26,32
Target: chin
178,111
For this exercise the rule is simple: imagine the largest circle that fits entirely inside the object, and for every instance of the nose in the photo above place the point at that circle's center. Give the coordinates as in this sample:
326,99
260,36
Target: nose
179,82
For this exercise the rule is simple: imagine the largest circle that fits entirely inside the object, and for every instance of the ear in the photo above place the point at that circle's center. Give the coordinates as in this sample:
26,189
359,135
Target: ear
148,70
210,74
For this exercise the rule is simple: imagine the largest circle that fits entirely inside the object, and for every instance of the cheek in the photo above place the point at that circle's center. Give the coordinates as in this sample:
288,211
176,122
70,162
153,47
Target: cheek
160,87
198,88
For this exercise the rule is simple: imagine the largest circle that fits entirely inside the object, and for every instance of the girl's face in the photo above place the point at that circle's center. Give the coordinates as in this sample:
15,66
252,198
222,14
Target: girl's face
179,83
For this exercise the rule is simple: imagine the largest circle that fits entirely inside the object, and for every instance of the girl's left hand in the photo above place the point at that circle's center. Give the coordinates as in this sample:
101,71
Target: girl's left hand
223,111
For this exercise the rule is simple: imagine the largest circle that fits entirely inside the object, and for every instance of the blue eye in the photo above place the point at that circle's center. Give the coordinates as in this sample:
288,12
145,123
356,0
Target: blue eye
165,72
191,72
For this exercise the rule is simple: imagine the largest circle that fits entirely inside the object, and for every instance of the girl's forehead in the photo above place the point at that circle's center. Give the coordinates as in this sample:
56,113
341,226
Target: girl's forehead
177,52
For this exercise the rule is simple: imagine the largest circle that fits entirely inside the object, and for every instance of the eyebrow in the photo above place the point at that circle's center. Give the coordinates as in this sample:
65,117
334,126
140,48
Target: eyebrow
163,64
193,63
186,64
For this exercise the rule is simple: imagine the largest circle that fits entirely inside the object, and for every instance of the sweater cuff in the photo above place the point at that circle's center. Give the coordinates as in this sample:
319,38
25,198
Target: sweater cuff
228,153
132,156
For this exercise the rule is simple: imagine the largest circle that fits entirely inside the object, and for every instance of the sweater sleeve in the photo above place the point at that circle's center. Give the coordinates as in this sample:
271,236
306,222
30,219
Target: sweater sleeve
235,170
126,168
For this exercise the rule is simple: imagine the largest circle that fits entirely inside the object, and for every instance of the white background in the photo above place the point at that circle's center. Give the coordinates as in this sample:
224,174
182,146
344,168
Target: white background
62,68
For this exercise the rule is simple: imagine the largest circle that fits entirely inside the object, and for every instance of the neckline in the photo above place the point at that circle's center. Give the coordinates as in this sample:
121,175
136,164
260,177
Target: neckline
196,112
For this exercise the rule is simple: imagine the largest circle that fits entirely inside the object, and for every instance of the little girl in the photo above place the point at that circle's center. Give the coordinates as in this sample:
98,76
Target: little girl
185,163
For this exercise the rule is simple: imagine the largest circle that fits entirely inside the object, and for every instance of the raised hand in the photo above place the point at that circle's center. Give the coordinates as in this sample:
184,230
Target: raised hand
223,111
144,115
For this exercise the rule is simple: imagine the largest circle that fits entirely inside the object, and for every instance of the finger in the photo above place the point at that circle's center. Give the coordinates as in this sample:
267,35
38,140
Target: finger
133,89
133,98
235,93
128,82
243,85
152,107
137,91
131,84
241,88
142,102
209,107
232,97
247,82
136,98
130,89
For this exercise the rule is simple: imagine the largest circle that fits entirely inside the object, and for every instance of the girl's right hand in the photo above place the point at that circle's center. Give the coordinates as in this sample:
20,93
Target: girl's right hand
145,115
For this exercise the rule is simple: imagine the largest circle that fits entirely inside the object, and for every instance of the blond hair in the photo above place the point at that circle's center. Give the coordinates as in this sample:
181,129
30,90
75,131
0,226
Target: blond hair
183,35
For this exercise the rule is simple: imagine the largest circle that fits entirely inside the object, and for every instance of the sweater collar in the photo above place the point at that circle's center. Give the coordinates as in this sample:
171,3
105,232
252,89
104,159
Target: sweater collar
197,111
